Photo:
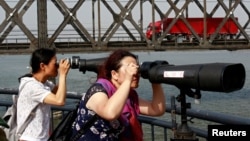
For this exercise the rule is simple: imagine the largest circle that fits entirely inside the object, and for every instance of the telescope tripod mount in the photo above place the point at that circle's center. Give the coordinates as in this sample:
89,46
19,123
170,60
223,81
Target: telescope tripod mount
183,132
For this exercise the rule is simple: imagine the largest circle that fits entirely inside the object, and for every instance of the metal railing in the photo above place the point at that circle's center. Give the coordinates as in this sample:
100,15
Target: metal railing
152,124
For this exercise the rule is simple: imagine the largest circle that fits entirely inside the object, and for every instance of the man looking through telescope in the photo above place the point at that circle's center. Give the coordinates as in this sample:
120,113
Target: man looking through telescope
116,103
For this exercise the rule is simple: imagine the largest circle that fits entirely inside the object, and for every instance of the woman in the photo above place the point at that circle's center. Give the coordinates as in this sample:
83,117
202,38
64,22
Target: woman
35,90
115,102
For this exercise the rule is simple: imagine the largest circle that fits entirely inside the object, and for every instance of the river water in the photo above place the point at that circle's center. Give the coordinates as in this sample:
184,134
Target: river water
13,66
234,103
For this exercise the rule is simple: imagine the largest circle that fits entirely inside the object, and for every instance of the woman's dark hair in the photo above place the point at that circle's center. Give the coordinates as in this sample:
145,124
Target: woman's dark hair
40,55
113,62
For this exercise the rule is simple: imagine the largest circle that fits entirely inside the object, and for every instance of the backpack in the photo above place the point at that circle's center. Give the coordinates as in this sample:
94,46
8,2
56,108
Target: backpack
10,118
63,131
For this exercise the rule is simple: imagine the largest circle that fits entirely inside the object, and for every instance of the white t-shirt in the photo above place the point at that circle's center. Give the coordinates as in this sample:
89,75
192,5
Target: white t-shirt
32,93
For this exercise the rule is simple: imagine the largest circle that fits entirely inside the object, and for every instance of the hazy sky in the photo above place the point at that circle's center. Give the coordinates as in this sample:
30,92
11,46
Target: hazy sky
84,14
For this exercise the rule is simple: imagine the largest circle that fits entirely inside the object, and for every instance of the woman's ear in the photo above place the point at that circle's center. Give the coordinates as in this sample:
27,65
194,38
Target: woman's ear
114,75
42,66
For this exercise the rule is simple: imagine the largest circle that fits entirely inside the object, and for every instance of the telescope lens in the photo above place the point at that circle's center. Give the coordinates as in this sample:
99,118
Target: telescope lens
234,77
222,77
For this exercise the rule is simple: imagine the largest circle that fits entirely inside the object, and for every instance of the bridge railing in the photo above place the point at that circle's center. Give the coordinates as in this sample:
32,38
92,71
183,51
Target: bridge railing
153,128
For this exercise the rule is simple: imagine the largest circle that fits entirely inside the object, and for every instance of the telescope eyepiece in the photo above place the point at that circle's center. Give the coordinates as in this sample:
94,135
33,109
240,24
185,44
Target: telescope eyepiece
146,66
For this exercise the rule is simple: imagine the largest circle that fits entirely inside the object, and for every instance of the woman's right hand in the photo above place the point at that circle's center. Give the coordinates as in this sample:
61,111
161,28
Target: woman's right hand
64,66
131,70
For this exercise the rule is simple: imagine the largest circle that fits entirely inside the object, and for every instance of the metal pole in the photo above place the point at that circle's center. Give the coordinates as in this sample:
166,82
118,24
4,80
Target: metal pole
183,131
141,17
205,23
153,21
42,23
99,24
93,18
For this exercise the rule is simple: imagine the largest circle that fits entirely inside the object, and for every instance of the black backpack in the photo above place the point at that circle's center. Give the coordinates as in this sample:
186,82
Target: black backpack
63,131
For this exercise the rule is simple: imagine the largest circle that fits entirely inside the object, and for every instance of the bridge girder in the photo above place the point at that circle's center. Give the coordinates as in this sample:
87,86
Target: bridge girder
122,29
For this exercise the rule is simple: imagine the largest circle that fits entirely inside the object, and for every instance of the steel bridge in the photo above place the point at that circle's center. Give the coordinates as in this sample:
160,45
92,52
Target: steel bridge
103,25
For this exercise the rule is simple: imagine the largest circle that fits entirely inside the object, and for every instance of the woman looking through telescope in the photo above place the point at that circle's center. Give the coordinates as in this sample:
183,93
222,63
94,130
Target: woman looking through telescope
37,94
116,103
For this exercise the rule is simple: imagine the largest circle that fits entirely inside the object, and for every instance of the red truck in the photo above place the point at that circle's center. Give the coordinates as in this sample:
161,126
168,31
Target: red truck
180,28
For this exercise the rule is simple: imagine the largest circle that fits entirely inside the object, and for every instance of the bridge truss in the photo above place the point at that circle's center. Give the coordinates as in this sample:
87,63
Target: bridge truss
102,25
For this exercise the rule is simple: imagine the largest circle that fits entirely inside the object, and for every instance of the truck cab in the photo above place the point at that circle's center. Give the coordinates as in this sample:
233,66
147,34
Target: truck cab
158,30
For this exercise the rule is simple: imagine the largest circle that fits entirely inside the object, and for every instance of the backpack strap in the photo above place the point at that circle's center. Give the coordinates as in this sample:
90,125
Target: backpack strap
86,126
27,121
31,115
107,85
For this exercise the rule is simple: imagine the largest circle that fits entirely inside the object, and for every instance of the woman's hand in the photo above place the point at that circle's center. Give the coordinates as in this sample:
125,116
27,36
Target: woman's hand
64,66
131,70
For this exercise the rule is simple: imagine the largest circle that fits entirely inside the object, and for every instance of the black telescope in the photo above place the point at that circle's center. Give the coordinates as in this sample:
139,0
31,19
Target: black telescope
220,77
85,64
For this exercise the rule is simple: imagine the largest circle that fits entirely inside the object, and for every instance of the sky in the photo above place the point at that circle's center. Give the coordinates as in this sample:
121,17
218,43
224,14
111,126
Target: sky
84,14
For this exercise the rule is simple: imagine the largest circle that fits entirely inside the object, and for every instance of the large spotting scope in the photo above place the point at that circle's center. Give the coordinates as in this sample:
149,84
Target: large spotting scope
220,77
